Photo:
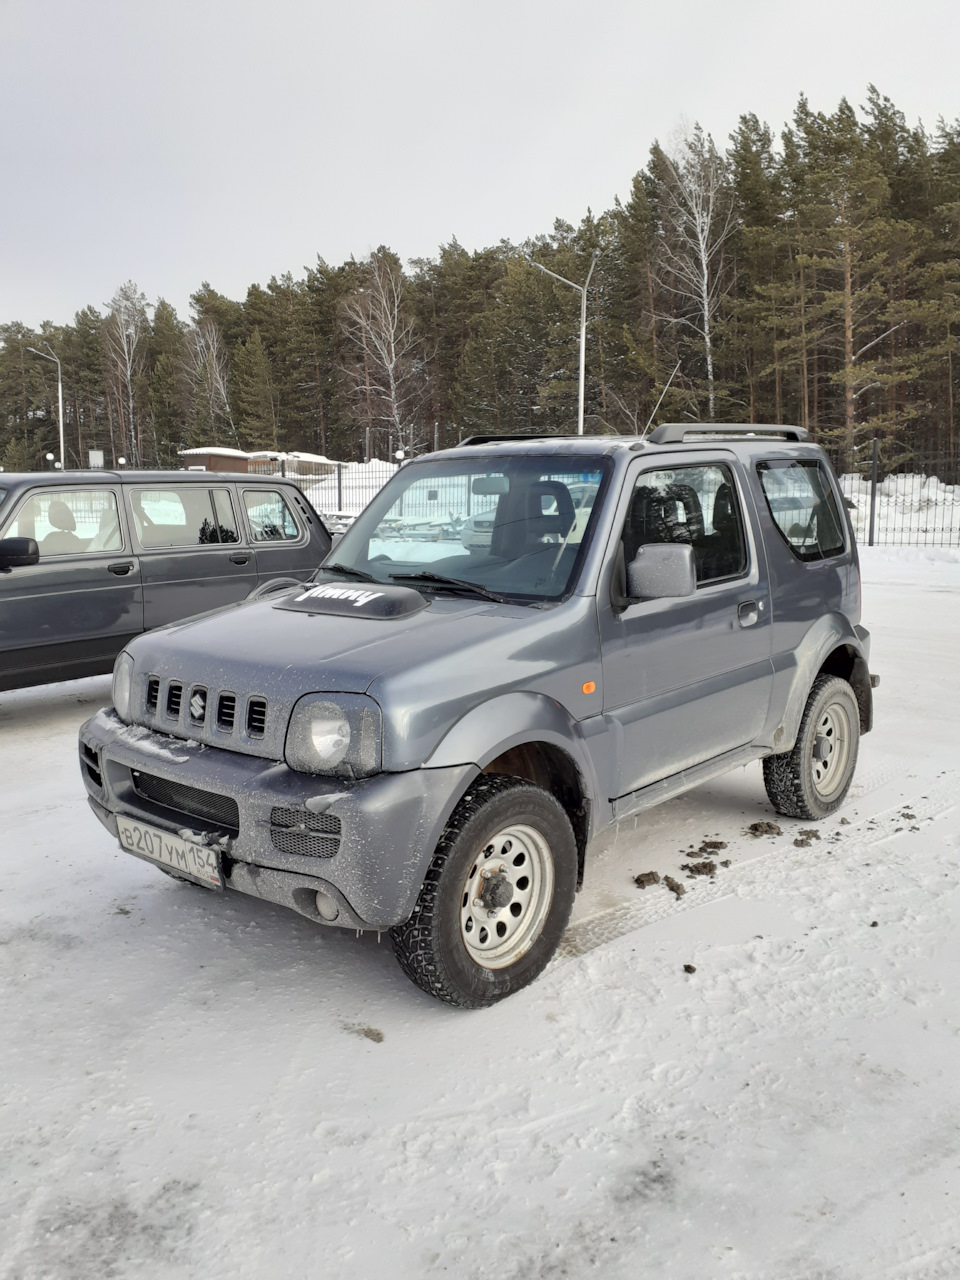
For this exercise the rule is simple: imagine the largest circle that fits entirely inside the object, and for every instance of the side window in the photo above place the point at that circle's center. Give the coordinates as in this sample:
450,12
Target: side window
803,508
68,522
693,505
226,520
175,517
269,517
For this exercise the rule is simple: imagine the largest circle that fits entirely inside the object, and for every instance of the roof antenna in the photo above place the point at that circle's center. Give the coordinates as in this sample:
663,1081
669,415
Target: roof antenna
660,401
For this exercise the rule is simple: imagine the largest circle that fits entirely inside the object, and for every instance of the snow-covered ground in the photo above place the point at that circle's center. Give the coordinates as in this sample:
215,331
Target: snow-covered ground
206,1086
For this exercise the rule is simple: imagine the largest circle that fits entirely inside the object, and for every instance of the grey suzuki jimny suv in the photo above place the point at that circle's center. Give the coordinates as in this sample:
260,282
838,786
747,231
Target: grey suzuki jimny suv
425,737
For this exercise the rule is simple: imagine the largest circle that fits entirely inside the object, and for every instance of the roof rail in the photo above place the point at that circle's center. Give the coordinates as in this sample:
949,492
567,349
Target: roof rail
563,435
676,432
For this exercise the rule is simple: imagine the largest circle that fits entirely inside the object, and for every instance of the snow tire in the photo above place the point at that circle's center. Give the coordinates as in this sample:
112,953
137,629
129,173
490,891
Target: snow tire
435,947
813,779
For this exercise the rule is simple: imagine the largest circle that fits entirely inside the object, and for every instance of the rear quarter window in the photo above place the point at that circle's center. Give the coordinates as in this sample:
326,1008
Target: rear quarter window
804,509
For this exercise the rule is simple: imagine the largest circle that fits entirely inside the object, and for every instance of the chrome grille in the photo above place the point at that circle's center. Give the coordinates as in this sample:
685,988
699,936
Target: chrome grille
189,802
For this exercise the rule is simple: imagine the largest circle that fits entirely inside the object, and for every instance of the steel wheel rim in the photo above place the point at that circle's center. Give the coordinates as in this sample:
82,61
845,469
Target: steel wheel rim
830,753
503,913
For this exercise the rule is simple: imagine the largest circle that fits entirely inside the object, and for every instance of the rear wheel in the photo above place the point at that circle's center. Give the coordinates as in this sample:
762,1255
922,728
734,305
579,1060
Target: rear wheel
813,779
496,898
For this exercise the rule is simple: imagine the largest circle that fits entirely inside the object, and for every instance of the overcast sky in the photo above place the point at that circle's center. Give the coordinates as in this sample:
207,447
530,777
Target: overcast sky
172,141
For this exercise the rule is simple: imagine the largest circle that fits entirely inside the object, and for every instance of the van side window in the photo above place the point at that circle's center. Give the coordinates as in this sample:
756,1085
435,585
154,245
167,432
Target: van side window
181,516
694,505
803,507
269,517
69,522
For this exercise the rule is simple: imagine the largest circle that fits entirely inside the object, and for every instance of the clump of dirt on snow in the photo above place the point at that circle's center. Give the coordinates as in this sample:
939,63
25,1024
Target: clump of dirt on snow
756,829
674,886
705,868
646,878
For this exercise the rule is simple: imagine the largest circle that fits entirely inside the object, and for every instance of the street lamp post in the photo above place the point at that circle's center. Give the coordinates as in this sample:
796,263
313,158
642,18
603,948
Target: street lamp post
51,356
583,320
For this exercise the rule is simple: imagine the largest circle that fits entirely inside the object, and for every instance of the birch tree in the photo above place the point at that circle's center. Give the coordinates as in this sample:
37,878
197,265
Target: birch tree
695,209
125,334
386,369
208,368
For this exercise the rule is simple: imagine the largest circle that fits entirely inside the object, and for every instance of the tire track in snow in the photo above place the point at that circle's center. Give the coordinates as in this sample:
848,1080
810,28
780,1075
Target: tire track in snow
615,922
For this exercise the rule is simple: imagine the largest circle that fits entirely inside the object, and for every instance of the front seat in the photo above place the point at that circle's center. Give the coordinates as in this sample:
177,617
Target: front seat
63,541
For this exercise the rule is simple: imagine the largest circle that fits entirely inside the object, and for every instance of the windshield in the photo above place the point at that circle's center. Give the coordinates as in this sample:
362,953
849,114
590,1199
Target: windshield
512,526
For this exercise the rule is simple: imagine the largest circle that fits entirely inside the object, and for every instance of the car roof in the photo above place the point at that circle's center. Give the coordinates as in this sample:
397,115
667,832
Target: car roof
672,435
9,479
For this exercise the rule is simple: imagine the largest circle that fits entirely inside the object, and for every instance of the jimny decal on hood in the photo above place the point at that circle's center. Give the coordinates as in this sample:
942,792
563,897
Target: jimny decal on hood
340,593
335,598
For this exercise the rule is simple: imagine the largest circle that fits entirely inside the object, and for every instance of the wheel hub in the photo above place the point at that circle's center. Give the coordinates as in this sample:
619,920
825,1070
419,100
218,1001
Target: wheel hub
497,892
506,896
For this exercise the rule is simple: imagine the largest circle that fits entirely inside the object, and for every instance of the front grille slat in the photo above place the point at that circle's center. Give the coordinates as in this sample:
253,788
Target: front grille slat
153,695
189,802
227,712
256,717
174,698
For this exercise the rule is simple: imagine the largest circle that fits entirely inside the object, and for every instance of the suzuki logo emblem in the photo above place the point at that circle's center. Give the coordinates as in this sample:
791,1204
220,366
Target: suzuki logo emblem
197,705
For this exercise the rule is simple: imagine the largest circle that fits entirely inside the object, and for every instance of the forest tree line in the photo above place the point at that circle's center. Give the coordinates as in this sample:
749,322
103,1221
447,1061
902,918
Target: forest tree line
812,279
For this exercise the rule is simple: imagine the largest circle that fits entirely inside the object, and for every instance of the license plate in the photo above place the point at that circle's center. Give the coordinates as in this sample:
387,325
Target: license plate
182,856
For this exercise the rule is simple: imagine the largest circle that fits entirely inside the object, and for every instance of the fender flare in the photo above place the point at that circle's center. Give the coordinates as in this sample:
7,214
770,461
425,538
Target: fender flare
800,668
511,720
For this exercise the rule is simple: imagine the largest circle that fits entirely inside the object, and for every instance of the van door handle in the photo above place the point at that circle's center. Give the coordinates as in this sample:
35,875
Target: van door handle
120,569
748,613
237,558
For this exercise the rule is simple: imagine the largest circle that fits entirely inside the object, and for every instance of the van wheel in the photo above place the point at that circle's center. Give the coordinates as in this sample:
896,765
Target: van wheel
496,898
813,779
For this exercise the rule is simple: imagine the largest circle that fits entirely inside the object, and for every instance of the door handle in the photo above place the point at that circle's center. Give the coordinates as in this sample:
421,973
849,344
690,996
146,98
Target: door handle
120,569
748,613
237,558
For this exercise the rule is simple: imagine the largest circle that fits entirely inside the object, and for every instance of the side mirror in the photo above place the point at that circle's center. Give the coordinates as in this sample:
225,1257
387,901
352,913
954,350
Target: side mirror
17,553
662,570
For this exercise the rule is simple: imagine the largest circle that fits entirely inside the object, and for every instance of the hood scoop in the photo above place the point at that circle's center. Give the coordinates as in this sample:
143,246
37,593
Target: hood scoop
360,600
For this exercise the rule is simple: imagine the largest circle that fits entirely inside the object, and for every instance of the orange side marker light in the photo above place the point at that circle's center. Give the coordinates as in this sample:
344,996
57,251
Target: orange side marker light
589,686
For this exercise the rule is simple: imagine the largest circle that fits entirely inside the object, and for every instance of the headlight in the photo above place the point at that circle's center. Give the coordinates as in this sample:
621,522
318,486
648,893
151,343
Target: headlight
334,733
122,681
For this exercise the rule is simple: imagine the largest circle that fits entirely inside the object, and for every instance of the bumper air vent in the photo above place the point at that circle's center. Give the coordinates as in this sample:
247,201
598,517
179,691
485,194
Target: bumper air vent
311,835
153,695
198,705
227,712
91,764
189,802
174,698
256,717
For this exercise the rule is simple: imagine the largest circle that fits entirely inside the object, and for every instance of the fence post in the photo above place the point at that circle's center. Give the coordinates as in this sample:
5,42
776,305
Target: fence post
339,486
873,489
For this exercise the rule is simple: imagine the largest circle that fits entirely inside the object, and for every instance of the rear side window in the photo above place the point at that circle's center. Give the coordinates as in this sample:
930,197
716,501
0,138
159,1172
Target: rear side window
184,516
269,516
803,507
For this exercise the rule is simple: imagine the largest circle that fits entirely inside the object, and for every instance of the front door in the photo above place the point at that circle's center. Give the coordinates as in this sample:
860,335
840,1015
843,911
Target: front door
688,679
72,613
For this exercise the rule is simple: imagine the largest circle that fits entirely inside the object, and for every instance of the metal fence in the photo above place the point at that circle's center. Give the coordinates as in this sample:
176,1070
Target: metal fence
901,497
897,497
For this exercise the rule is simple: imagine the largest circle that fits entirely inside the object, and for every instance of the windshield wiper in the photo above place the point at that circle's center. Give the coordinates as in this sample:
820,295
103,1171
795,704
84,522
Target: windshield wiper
458,584
348,572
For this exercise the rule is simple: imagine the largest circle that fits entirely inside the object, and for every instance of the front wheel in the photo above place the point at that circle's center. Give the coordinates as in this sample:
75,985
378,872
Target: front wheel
496,898
813,779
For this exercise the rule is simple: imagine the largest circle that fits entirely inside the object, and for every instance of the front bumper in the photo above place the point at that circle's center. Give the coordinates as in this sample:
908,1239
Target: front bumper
389,825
